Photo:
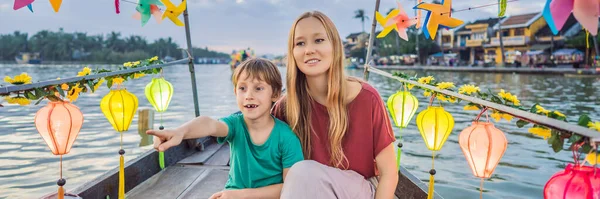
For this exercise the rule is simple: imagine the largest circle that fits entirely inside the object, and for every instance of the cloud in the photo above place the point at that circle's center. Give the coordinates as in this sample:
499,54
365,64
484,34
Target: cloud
5,6
223,25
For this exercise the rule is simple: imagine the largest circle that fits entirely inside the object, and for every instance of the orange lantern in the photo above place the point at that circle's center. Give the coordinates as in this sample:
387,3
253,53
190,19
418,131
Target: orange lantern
483,146
59,124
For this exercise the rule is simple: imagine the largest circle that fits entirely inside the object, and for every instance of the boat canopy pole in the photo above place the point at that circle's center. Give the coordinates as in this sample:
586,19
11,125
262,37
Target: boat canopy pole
370,45
191,59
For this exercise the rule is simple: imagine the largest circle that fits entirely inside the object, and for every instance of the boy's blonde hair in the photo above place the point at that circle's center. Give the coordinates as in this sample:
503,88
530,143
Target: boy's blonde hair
263,70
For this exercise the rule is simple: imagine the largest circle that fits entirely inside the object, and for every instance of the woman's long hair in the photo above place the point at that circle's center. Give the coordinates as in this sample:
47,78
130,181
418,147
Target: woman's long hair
298,100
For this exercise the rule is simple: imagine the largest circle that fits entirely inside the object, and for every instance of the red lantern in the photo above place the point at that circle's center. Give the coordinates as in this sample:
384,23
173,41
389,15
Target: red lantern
576,181
59,123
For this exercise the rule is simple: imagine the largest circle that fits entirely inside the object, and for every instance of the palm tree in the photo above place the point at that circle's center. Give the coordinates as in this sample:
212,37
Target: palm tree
360,14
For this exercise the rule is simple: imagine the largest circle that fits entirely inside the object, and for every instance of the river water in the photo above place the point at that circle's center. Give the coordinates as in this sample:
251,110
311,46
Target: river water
29,170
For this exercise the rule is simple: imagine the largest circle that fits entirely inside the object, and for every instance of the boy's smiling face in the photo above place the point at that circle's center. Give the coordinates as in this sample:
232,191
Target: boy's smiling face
254,97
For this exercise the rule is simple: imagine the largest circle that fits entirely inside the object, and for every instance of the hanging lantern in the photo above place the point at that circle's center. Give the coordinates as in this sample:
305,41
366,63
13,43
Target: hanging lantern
59,124
576,181
119,106
403,106
435,125
159,93
483,146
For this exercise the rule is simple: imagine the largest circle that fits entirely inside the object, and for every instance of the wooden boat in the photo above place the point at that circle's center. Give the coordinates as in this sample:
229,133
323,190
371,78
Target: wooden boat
196,169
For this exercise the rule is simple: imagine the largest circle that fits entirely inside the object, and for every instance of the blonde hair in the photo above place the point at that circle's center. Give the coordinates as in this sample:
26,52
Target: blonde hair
298,104
263,70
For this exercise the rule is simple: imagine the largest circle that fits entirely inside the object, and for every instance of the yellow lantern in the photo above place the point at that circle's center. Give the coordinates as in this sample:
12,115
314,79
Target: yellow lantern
159,93
119,106
402,106
435,125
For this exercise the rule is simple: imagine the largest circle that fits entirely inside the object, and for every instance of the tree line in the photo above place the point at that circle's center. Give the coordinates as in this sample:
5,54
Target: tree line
112,48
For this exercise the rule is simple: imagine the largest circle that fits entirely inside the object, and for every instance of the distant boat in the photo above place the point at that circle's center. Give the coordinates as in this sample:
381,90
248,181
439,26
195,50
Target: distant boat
28,58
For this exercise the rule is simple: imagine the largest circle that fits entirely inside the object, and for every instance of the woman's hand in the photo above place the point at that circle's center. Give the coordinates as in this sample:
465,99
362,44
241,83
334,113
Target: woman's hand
228,194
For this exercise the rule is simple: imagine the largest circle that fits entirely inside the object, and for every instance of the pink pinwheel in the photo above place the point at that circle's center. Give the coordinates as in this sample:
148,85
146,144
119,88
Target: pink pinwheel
402,22
556,13
22,3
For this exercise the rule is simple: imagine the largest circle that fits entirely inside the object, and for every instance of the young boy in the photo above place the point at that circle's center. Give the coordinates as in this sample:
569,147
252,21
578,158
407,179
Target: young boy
263,148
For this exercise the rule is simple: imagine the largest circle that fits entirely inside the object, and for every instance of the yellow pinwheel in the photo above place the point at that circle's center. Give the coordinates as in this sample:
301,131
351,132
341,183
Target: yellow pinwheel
174,11
439,14
383,21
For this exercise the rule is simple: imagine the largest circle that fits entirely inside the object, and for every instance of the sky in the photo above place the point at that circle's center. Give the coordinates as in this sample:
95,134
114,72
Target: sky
223,25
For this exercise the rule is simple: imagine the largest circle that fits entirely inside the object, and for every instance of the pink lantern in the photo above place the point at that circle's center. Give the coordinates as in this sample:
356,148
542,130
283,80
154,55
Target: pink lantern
59,123
576,181
483,146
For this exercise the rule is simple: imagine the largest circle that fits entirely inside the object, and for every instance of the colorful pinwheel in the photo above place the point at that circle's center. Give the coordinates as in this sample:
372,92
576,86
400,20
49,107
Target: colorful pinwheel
174,11
439,15
556,13
398,20
22,3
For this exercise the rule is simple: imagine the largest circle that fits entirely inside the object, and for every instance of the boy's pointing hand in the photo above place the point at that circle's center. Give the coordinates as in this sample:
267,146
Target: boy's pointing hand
165,139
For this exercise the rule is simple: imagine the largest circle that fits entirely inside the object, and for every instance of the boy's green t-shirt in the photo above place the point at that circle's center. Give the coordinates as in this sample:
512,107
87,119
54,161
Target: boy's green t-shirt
254,166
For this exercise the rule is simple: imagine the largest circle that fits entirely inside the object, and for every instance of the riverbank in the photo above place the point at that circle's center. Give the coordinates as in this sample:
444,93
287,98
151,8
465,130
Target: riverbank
553,71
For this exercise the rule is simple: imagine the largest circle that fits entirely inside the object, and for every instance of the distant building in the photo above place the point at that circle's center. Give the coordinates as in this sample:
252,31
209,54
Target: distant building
518,36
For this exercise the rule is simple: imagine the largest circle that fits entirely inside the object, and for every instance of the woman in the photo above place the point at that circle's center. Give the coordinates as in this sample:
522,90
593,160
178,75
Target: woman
342,124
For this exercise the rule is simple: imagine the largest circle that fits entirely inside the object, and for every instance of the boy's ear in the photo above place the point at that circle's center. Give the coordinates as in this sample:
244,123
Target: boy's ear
276,97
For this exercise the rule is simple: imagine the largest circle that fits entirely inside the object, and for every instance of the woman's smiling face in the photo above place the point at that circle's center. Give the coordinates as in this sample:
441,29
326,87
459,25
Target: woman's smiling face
313,50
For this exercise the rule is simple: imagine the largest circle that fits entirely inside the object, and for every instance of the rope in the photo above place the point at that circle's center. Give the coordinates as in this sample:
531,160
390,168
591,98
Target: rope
431,192
481,189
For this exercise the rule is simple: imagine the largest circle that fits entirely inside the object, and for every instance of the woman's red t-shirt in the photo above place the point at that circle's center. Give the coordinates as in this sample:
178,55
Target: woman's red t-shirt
369,131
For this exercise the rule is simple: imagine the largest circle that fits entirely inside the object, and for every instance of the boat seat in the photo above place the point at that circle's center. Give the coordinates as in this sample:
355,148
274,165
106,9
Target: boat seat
199,176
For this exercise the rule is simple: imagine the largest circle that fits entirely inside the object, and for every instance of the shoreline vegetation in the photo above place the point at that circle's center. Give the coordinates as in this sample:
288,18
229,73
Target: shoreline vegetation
59,47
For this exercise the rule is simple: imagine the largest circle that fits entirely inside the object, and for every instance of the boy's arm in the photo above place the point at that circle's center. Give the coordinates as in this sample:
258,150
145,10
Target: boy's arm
201,127
198,127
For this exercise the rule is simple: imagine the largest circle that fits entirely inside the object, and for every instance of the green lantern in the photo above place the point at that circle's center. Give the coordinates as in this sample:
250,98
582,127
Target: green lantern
159,93
402,106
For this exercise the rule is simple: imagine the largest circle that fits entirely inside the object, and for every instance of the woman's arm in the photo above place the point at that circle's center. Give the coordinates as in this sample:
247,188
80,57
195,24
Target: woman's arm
388,175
